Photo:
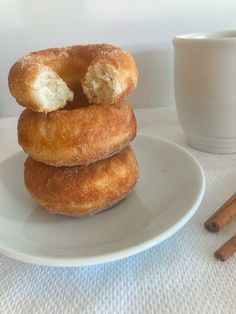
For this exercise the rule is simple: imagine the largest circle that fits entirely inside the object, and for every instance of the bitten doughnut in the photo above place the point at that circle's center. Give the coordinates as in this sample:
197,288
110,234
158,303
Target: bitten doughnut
76,137
46,80
79,191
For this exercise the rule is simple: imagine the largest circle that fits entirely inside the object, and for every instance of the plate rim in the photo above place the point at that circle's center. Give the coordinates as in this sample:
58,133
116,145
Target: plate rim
120,253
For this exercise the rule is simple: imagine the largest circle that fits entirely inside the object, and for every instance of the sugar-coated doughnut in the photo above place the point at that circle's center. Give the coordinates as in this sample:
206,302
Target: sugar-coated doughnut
76,137
46,80
79,191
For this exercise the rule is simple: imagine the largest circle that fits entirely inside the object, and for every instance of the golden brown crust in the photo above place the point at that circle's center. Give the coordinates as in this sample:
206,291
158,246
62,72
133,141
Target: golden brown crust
71,64
79,191
76,137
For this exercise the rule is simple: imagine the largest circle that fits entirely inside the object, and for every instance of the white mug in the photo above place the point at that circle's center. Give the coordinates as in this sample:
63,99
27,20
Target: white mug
205,89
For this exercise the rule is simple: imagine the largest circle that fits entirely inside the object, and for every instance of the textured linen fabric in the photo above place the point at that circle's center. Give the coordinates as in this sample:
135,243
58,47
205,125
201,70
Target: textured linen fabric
179,275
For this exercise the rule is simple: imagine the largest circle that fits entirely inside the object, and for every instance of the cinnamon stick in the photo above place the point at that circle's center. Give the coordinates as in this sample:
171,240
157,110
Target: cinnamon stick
227,250
222,216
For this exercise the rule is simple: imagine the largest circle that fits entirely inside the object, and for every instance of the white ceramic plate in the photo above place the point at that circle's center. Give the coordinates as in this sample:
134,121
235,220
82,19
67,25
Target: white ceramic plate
169,191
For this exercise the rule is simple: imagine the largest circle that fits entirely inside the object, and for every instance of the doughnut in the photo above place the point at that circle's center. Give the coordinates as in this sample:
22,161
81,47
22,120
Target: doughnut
82,190
76,137
47,80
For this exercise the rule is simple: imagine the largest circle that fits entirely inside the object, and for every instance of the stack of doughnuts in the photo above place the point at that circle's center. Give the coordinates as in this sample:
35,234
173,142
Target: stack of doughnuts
76,127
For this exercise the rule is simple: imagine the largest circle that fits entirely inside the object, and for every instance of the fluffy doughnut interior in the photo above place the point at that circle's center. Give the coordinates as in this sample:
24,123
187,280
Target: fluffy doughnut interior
51,91
101,83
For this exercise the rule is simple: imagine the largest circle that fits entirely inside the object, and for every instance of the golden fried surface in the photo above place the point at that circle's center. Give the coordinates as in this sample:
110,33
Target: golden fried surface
76,137
79,191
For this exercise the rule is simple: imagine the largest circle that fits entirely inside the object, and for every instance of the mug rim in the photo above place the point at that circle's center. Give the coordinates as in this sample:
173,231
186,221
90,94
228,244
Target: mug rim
215,36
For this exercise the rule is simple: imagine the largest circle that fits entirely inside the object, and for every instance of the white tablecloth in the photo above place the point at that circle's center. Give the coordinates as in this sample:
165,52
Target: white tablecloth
180,275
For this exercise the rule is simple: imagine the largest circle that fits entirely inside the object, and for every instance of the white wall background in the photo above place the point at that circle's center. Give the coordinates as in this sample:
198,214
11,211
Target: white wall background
145,28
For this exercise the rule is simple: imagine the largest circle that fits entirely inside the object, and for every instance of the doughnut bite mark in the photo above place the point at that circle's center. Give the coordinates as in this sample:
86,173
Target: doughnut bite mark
50,91
102,84
79,191
47,80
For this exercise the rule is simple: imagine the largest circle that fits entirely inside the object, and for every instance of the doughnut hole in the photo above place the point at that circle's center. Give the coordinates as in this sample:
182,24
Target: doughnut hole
102,84
51,91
